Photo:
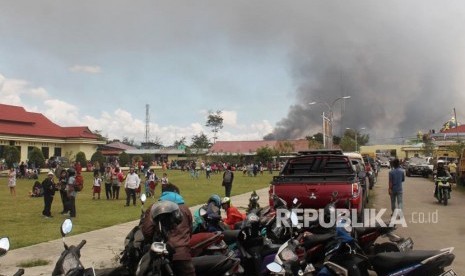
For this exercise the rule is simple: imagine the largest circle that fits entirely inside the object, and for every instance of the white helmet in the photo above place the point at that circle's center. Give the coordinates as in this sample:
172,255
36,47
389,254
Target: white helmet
225,200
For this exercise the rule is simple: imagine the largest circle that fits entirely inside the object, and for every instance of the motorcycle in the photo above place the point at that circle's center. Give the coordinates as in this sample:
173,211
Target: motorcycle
157,261
69,263
4,247
443,189
134,243
254,250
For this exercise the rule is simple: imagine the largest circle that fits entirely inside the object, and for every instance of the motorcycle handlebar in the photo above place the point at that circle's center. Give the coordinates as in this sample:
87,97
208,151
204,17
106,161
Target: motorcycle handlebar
81,244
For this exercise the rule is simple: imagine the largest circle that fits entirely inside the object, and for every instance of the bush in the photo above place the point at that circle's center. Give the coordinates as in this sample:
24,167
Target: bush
37,157
11,155
123,159
81,158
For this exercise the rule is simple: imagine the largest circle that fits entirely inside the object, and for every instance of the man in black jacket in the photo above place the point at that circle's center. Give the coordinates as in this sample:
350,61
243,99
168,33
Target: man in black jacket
49,188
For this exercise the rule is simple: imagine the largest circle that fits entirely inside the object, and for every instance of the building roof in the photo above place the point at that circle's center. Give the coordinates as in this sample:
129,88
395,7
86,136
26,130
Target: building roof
459,129
248,147
15,120
119,145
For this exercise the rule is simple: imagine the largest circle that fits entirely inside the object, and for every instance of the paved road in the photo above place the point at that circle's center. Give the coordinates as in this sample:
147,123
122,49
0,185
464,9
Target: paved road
101,250
421,210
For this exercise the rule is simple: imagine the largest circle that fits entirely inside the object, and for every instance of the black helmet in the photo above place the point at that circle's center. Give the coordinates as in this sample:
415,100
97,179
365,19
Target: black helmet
71,172
167,213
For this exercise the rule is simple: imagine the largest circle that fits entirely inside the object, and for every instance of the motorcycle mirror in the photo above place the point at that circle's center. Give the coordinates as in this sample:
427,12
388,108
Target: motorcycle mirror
202,212
294,219
143,198
66,227
274,267
335,193
295,200
4,246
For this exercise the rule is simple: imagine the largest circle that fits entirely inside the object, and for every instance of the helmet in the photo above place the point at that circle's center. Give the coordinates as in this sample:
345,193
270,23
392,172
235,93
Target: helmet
71,172
215,199
167,213
225,200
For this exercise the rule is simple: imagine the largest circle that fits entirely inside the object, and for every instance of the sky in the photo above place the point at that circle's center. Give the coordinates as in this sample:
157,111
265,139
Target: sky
99,63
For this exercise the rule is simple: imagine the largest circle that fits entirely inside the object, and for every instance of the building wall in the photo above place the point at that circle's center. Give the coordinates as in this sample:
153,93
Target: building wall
384,148
51,145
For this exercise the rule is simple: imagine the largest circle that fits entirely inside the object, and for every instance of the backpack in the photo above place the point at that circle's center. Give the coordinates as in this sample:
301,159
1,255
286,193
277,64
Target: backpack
79,184
227,176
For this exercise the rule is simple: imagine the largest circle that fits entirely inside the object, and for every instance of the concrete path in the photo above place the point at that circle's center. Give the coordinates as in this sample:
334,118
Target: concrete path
101,250
431,225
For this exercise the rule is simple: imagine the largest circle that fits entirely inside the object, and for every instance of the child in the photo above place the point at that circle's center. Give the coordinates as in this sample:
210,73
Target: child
96,186
164,182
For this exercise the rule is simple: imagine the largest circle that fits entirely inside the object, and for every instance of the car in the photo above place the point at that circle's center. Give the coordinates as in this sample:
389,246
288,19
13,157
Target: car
313,177
384,163
58,160
418,167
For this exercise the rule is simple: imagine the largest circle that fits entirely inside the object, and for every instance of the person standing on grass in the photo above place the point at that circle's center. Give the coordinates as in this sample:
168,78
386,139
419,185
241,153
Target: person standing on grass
107,179
71,192
96,186
62,182
12,181
131,184
228,177
396,179
49,188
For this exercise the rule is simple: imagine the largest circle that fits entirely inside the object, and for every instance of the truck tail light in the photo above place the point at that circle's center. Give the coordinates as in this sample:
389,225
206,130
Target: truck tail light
355,189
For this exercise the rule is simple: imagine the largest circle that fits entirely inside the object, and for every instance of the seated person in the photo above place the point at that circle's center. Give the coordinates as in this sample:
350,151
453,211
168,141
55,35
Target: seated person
37,190
233,216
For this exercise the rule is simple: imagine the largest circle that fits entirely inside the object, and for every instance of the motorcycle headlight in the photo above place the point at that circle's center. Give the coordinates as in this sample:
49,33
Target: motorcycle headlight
288,255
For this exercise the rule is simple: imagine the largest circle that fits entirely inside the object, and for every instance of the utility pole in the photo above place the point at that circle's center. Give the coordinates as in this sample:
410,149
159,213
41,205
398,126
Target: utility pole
456,124
147,125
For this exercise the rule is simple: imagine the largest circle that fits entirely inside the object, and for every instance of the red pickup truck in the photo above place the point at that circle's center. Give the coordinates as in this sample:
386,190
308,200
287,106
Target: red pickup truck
313,176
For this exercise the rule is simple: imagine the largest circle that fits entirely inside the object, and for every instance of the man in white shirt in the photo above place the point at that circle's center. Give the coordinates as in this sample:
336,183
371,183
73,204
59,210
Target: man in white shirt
131,184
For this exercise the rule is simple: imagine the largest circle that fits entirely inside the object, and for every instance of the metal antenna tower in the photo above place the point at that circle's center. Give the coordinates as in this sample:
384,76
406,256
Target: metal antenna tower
147,124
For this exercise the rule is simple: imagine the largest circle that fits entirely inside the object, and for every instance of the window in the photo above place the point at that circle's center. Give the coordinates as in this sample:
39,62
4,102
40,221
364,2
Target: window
45,152
57,152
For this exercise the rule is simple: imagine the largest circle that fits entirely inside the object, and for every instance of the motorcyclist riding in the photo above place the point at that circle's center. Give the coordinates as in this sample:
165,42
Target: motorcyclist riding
441,172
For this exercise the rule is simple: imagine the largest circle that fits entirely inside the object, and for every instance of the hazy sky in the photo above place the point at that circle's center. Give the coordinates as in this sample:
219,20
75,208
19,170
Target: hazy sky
98,63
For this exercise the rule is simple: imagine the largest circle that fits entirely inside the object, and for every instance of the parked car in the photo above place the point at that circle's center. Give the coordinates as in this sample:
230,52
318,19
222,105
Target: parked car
313,176
419,167
58,160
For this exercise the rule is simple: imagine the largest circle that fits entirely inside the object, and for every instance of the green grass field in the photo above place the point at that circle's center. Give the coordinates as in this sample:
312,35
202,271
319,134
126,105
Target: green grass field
21,216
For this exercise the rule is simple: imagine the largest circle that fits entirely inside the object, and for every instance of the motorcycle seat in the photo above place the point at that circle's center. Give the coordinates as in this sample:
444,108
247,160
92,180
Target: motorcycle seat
365,230
392,261
315,239
230,236
269,249
213,264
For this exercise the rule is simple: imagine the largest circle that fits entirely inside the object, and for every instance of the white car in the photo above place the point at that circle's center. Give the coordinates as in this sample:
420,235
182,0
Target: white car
384,163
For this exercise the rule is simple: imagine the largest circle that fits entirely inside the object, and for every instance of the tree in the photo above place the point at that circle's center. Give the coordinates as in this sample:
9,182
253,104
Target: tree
458,148
11,155
37,157
123,159
127,141
215,122
81,158
318,137
347,143
265,154
147,157
200,141
180,142
284,147
428,145
98,157
100,136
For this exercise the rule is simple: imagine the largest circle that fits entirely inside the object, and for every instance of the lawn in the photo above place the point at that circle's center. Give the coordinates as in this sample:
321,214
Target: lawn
21,216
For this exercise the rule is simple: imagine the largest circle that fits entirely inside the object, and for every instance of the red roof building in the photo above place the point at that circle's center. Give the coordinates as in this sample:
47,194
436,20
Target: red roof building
25,130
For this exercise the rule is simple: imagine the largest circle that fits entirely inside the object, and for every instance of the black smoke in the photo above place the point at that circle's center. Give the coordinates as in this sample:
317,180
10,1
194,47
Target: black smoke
398,61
